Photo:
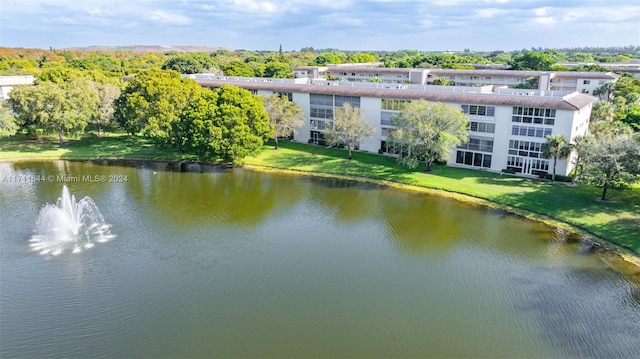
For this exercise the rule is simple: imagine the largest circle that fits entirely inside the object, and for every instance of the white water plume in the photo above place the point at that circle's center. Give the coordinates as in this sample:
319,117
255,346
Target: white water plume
69,225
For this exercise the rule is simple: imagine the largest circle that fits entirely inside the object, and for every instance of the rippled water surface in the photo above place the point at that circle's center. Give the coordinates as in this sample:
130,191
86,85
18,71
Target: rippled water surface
233,263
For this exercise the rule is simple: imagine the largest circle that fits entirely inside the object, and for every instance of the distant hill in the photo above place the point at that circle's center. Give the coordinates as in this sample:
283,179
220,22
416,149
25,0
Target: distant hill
150,48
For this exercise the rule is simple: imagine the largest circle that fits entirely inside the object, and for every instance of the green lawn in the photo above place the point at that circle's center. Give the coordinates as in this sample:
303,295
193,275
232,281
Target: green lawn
616,220
116,145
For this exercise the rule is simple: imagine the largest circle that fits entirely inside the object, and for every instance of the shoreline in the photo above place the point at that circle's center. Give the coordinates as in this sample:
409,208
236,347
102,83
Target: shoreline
600,245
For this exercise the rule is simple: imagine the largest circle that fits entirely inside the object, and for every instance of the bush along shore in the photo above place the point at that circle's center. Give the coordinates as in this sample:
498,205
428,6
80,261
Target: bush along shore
612,224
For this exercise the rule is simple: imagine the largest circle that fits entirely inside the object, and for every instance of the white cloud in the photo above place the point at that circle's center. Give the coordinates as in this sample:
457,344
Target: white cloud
257,5
342,20
544,20
164,17
489,13
542,11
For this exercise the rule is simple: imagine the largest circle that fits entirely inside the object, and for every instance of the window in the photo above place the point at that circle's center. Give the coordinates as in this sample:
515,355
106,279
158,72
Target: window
529,166
485,127
530,131
483,144
473,159
525,148
586,82
479,110
393,104
385,117
287,95
534,115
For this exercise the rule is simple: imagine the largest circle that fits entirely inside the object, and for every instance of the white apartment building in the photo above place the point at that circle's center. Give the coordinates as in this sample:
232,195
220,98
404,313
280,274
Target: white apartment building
8,82
583,82
508,126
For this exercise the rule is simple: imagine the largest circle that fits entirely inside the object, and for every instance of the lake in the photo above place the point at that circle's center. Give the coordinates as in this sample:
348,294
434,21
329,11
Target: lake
216,262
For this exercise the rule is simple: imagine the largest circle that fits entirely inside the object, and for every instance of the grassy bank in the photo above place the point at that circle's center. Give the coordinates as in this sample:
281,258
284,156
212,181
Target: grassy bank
111,145
617,220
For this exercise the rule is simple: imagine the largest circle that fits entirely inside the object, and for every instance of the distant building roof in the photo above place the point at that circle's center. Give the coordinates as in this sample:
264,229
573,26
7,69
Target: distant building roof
573,101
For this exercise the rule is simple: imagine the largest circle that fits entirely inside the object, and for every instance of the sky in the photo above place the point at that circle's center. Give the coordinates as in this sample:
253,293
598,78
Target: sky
360,25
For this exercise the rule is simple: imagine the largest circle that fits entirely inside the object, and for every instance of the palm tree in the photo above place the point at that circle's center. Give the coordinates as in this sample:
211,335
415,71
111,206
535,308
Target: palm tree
557,146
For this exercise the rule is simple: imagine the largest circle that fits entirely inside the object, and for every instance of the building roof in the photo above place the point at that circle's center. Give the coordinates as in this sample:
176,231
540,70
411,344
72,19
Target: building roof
572,102
585,75
454,72
16,80
373,70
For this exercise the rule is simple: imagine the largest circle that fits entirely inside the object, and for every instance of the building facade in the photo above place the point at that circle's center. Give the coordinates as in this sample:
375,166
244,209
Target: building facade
507,126
583,82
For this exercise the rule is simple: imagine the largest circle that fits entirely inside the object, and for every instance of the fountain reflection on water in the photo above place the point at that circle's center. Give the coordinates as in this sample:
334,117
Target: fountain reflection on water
69,225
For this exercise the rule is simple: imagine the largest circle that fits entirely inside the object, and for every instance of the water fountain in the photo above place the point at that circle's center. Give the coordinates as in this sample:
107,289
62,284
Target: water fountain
69,225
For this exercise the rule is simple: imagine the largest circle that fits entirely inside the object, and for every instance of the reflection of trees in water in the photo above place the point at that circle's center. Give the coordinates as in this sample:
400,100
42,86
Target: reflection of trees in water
420,223
238,197
346,201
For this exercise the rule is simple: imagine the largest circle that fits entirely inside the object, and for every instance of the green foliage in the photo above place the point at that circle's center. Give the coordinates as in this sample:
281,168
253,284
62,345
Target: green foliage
556,146
580,57
152,102
107,94
183,65
54,107
8,125
611,163
238,68
603,111
348,127
428,131
97,62
442,81
278,70
229,123
285,116
327,58
14,66
530,60
361,58
630,116
625,86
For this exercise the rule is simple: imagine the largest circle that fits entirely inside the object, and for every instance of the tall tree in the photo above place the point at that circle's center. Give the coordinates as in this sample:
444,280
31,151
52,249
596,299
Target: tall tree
605,92
8,125
603,111
285,116
279,70
183,65
557,146
326,58
107,94
428,132
53,107
611,163
348,127
238,68
152,102
230,124
530,60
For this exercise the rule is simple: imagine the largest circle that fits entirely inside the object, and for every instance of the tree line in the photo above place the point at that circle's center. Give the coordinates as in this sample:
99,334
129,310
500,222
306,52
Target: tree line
19,61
